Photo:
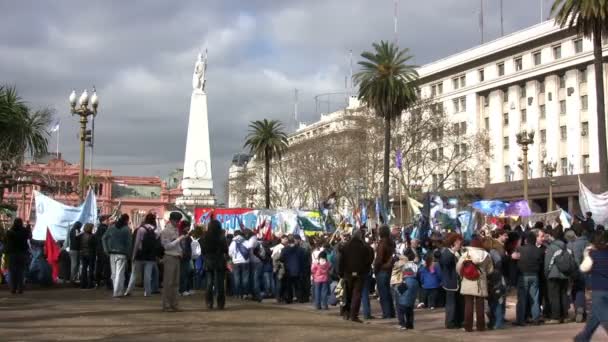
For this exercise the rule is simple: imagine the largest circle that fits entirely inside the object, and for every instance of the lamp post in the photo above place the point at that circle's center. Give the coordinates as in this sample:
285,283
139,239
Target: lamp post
550,168
524,139
84,112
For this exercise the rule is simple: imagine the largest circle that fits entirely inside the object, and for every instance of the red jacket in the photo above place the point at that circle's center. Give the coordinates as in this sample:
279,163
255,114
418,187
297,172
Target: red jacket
320,273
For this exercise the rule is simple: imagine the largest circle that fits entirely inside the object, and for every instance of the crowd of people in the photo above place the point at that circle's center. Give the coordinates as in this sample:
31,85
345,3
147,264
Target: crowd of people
549,268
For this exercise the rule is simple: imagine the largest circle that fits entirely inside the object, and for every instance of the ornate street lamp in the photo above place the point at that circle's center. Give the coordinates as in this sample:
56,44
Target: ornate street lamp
82,109
524,139
550,168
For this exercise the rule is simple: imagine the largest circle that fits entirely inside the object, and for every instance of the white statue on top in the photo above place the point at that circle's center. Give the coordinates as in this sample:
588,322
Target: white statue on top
198,78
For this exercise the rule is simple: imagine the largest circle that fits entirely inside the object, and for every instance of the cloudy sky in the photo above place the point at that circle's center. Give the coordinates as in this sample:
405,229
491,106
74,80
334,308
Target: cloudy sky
140,56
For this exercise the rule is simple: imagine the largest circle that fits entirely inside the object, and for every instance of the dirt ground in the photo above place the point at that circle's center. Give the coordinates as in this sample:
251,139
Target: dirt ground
66,314
91,315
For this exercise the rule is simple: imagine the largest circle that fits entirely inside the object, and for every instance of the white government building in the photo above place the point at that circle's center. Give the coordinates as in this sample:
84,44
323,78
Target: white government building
540,78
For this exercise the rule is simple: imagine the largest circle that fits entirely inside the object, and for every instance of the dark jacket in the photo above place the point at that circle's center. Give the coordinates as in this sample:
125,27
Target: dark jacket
531,260
384,256
101,229
449,276
598,277
356,259
87,244
214,253
578,247
16,241
293,259
551,270
74,239
117,240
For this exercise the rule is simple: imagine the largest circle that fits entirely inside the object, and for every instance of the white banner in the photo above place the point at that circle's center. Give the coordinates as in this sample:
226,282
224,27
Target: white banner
595,203
59,217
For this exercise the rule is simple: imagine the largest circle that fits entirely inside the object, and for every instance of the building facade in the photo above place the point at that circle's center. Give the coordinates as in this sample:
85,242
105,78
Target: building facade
135,196
538,79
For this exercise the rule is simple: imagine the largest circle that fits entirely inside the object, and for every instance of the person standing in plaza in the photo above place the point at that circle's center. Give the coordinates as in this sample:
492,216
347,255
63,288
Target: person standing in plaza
595,264
454,305
320,276
215,252
292,257
87,244
240,254
355,263
171,241
73,247
557,285
474,265
185,266
102,260
145,253
383,266
117,244
530,264
578,247
16,251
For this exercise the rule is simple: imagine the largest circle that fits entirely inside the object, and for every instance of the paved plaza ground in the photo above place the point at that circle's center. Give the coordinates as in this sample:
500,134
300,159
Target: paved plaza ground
64,314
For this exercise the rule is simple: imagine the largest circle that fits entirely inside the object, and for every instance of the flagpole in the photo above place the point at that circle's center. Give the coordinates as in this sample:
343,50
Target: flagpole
401,202
57,132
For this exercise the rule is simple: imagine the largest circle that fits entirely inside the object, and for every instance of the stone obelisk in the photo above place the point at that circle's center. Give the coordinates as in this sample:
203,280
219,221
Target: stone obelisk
197,183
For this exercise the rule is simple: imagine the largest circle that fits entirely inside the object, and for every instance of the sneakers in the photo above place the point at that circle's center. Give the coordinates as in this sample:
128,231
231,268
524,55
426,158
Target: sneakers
580,316
420,306
402,328
186,294
552,321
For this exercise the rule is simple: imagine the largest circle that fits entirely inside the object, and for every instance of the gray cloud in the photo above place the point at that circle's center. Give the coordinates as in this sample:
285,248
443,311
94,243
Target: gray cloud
140,55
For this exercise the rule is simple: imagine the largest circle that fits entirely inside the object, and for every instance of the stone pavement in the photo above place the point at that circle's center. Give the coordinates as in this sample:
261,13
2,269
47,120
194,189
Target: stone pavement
431,323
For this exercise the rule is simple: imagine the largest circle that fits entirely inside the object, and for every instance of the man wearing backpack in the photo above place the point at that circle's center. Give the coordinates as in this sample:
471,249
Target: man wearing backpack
559,266
145,254
239,253
257,254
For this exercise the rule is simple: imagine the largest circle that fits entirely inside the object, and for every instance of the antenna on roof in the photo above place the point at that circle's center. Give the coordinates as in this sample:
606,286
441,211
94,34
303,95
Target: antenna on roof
295,107
502,31
395,18
351,70
481,19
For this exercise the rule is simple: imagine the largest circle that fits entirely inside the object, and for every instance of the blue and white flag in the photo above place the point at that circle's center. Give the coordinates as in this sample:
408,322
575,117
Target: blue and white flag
58,217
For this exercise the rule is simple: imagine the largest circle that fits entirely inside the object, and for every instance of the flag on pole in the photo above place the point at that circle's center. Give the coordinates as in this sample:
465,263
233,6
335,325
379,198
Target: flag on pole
399,159
56,127
52,254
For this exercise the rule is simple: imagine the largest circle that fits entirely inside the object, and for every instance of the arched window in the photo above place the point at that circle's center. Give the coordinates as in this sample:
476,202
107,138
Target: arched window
100,189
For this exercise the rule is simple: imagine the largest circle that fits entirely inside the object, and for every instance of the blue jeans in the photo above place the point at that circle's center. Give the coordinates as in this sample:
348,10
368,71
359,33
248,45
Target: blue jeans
578,293
184,276
321,291
383,278
155,278
256,271
365,306
269,284
496,312
240,272
599,315
527,291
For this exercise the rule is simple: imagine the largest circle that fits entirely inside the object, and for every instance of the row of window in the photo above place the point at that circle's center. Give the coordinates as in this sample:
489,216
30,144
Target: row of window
566,168
460,80
563,133
460,180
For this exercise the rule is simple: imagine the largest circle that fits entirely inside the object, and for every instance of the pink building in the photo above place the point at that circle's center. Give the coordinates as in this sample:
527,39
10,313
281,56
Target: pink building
136,195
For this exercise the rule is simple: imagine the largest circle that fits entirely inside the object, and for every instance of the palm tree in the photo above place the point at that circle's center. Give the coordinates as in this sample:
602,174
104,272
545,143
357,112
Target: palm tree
266,139
21,129
387,85
589,18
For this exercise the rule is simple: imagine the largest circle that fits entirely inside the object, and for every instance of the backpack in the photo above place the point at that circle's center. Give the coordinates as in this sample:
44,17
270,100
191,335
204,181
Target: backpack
470,271
151,247
563,259
244,251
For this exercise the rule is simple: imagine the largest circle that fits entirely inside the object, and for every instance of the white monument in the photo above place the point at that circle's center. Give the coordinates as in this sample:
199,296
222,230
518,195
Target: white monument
197,183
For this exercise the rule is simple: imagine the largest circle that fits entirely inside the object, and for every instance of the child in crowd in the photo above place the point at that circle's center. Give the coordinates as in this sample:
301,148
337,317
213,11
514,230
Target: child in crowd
430,280
320,277
407,292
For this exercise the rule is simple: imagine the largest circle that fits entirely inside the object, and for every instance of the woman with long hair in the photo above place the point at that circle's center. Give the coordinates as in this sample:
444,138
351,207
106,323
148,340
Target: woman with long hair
383,266
215,252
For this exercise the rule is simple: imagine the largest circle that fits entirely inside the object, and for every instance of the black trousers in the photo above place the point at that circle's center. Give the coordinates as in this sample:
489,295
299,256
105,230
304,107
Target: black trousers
454,309
87,262
17,264
216,288
354,287
557,289
103,272
291,288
